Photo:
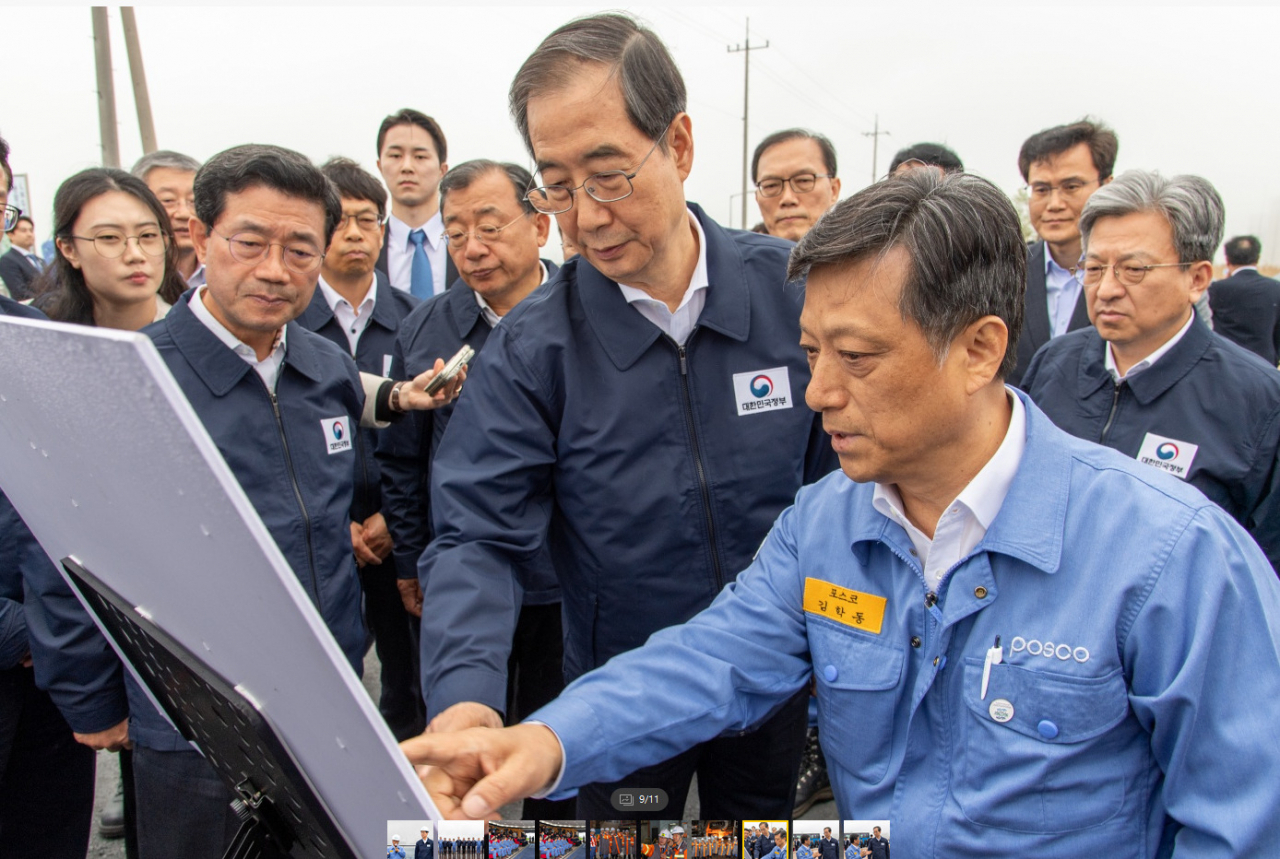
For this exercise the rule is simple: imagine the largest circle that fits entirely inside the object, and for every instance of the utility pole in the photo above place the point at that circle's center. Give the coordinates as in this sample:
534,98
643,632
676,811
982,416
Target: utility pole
146,125
875,148
106,89
745,49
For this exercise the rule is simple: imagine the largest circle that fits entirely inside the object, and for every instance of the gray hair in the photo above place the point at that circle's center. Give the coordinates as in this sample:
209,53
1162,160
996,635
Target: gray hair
460,178
1190,204
164,158
652,87
961,233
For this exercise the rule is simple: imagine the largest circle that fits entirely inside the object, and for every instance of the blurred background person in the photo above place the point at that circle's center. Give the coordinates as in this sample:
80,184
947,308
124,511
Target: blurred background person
171,177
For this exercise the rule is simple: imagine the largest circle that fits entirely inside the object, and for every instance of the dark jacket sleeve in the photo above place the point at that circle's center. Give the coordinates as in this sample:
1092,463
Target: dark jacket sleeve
13,633
1263,522
403,457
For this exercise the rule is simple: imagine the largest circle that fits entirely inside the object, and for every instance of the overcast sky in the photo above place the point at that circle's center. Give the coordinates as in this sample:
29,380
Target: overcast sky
1188,89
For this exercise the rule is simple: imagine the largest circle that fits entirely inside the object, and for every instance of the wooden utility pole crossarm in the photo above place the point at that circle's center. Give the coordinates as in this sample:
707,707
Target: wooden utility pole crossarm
745,49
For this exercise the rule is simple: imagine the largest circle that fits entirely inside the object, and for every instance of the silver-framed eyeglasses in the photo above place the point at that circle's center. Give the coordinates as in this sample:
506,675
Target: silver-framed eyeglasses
11,214
251,248
609,186
1129,274
112,245
801,183
485,234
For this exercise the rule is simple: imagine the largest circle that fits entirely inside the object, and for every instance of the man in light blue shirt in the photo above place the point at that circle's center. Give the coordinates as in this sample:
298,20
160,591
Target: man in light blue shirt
1023,643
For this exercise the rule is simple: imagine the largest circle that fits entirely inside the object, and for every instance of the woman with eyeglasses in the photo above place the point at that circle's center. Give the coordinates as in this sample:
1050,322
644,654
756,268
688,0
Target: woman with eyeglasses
115,266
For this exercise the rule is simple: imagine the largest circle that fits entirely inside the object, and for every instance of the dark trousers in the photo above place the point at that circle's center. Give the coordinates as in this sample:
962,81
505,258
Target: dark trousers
184,809
748,776
395,638
535,675
46,777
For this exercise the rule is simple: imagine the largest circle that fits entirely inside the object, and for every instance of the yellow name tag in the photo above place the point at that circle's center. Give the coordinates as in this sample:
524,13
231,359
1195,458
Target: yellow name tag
852,608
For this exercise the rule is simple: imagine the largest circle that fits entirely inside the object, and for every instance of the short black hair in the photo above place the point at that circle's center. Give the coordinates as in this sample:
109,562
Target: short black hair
409,116
934,154
824,146
4,163
23,217
1101,140
355,183
460,177
260,165
1243,250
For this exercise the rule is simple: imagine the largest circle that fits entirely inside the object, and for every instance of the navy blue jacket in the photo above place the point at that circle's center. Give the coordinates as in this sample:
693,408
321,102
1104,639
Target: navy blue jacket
423,849
277,448
373,355
436,329
73,662
1246,311
585,428
828,848
1205,391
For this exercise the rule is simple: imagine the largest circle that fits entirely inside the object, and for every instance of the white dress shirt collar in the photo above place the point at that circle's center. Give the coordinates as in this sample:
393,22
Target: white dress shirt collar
680,324
354,320
488,312
965,521
268,369
400,252
1110,359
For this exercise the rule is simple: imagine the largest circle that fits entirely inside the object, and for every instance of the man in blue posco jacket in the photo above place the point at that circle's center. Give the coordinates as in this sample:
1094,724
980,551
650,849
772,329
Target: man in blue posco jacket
638,414
1024,644
494,237
1148,378
355,307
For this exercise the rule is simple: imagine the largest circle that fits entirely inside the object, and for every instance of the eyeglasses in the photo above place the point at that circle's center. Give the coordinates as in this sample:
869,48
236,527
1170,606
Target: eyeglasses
250,249
1127,273
801,183
11,214
609,186
368,223
1068,189
112,245
486,234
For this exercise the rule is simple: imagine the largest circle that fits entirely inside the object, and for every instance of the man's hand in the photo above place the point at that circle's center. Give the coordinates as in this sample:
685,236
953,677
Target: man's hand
364,555
414,396
411,596
376,536
473,773
113,739
463,715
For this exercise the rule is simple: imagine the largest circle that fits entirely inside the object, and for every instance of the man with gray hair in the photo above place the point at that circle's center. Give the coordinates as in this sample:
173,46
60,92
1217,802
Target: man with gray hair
1018,637
171,177
1149,379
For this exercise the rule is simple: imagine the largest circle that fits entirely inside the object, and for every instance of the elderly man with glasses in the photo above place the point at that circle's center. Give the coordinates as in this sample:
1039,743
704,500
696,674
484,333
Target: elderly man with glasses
795,175
1149,379
641,417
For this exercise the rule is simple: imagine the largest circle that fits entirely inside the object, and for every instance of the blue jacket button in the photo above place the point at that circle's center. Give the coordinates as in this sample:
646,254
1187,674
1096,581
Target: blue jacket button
1047,729
830,673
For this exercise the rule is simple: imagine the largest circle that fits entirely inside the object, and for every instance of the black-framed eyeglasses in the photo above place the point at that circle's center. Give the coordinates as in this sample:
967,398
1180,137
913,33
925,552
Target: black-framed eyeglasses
250,249
1070,188
801,183
1129,274
486,234
112,245
609,186
11,215
365,221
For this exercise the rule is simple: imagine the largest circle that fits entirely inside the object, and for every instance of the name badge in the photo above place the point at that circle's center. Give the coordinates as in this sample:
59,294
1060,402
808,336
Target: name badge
762,390
852,608
386,365
1167,454
337,434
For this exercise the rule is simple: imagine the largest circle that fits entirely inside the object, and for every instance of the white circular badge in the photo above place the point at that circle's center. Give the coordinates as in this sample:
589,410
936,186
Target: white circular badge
1001,710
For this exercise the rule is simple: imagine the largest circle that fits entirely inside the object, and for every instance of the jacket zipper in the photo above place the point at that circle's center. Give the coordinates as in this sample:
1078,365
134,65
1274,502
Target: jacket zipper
1115,403
297,494
697,460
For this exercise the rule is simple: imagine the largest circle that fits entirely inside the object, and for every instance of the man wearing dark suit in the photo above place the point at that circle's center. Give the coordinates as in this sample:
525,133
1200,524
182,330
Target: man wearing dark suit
412,157
1246,304
422,850
1062,167
879,844
20,265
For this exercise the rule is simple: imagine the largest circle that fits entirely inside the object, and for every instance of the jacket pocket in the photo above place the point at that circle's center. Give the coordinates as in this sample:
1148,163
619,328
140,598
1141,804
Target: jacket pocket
1040,753
859,680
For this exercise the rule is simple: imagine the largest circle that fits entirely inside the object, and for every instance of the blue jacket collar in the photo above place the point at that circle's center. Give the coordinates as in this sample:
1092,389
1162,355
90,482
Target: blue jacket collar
216,365
1032,520
464,308
319,314
626,335
1153,381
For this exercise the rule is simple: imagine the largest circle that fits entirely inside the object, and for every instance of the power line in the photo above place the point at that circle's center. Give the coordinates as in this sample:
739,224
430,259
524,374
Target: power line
745,49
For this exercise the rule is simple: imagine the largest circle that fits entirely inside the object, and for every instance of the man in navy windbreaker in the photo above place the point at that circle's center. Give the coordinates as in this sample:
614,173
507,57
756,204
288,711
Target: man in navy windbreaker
641,414
1148,378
